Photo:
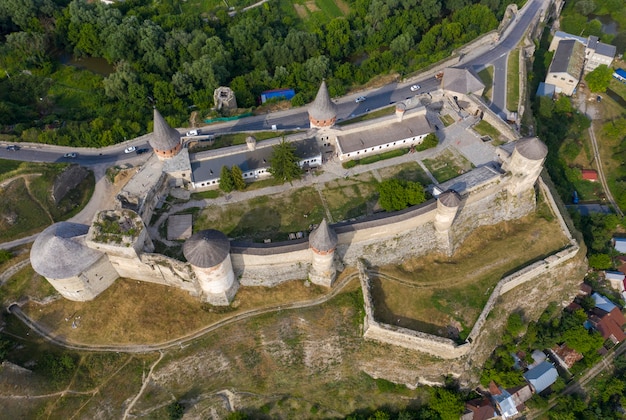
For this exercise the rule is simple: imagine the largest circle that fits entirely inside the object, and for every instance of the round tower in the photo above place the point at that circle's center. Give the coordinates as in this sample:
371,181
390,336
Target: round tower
322,112
526,164
165,140
208,252
323,242
447,207
76,271
251,143
400,109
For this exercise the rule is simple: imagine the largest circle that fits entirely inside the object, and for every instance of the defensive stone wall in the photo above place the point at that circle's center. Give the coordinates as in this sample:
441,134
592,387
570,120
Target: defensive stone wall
448,349
492,118
268,266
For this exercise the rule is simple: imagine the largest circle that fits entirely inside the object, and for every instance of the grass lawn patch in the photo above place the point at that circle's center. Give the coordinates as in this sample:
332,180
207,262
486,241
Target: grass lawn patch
370,115
7,166
512,83
486,75
272,217
206,194
439,294
447,165
409,171
330,8
483,128
375,158
20,214
447,119
351,198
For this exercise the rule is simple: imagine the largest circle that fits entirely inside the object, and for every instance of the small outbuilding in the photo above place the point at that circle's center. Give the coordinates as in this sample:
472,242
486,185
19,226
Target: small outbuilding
589,175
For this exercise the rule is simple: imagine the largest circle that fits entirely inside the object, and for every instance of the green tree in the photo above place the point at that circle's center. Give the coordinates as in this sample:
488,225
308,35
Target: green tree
5,255
397,195
284,162
446,403
600,261
598,80
226,180
237,175
175,410
515,324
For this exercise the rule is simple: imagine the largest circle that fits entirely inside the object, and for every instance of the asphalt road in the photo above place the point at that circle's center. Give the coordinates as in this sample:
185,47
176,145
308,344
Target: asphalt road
298,118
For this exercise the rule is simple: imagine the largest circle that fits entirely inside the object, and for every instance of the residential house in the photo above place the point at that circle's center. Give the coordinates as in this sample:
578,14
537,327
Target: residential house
620,245
615,279
603,302
609,324
504,402
479,409
584,290
541,376
589,175
567,66
596,52
565,356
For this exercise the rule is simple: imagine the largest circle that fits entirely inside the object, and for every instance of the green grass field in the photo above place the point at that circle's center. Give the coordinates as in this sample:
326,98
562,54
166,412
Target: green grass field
512,81
447,165
486,75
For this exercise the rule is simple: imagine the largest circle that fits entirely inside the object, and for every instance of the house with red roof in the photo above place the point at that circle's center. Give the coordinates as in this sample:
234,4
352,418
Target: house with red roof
609,324
565,356
590,175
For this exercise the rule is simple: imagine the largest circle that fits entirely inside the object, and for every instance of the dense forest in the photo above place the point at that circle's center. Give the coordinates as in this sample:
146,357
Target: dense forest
173,58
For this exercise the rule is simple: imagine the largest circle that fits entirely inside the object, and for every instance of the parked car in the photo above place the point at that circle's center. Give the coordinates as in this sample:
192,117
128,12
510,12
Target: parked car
13,148
141,151
192,133
415,88
360,99
130,149
70,155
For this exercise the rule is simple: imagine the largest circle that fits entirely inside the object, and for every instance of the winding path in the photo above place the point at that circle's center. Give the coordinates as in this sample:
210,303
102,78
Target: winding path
15,309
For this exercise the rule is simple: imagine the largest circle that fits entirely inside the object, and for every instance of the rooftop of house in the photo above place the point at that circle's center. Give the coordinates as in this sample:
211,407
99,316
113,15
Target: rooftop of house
569,58
601,48
383,130
610,325
568,355
589,174
603,302
462,81
248,160
541,376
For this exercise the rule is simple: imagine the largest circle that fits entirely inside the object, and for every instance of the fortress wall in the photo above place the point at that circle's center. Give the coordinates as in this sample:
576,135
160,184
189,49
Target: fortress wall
413,340
156,268
492,118
272,269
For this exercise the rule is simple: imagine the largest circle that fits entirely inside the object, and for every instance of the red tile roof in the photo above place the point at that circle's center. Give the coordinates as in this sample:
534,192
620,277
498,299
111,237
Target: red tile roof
611,325
567,355
590,174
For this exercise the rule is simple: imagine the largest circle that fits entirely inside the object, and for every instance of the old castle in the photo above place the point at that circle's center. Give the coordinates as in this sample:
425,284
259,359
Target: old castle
82,261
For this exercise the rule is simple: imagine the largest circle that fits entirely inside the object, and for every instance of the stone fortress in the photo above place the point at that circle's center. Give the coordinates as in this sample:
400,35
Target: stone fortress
82,261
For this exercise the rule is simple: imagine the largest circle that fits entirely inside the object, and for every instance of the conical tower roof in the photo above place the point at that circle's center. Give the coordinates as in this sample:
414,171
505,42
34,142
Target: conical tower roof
531,148
207,248
59,252
323,238
449,198
322,107
163,136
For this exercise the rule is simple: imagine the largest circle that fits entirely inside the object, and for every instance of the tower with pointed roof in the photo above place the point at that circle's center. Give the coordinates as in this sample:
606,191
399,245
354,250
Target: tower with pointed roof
165,140
322,243
208,252
322,112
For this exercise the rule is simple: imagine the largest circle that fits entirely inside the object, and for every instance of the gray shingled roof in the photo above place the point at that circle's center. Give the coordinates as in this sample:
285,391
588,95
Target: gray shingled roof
531,148
206,248
59,251
569,58
461,81
606,50
323,238
322,107
163,136
449,198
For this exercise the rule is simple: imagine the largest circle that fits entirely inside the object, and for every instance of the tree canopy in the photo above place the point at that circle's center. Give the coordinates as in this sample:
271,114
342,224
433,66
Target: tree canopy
397,195
598,79
284,162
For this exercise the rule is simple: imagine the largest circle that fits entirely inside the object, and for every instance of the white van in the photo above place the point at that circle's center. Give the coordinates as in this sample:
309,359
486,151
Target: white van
192,133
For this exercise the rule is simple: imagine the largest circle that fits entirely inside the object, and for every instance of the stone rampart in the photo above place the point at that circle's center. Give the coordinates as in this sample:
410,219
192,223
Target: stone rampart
492,118
398,336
